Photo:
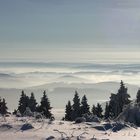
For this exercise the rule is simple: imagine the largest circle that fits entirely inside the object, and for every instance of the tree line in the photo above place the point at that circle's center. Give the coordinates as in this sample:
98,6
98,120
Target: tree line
78,109
113,107
30,104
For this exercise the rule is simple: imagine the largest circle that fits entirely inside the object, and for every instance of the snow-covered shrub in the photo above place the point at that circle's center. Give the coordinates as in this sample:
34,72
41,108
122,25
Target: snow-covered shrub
91,118
130,114
80,120
28,112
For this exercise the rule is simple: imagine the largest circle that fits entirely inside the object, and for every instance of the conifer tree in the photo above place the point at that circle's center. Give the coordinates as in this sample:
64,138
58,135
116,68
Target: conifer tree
45,107
107,111
68,112
118,101
123,97
84,105
93,110
32,103
3,107
76,106
23,103
0,102
99,110
113,105
28,112
138,96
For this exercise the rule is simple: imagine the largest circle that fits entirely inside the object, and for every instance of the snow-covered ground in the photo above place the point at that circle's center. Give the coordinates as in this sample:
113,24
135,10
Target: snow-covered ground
11,130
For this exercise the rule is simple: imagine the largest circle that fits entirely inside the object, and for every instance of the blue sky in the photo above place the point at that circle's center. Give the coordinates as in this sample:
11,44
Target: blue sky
58,30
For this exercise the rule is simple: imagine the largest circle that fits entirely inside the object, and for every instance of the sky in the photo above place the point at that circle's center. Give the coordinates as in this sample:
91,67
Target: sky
70,30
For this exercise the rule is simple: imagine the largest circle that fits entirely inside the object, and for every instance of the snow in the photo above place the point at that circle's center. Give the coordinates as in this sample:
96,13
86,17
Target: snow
11,129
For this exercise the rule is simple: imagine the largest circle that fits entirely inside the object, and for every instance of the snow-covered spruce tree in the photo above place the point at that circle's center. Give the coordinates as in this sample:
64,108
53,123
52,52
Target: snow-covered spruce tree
32,103
45,107
23,103
113,106
68,112
3,107
84,106
118,101
0,101
99,111
138,97
93,110
123,97
107,111
28,112
76,106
